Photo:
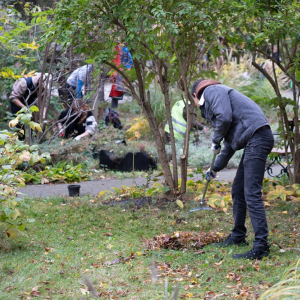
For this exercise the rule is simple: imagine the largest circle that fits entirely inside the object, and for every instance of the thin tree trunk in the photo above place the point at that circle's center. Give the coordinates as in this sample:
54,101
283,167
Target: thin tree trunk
160,144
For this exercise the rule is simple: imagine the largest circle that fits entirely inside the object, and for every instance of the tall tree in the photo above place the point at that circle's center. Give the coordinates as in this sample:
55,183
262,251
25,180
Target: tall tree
163,38
270,29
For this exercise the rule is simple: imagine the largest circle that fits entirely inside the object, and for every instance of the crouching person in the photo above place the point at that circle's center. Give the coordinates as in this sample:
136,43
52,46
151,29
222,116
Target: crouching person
78,121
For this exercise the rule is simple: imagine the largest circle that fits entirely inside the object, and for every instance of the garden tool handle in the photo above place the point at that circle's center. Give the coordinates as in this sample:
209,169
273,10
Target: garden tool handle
213,161
207,182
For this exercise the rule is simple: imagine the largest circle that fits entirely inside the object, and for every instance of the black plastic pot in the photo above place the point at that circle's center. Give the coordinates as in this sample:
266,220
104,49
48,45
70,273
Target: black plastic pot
73,190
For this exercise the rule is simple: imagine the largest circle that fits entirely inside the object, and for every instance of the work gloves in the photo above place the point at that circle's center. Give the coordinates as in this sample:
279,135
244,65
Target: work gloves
77,138
61,133
215,148
210,174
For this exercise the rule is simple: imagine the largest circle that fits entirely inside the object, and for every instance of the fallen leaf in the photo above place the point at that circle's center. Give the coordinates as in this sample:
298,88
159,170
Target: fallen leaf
84,291
256,266
233,276
107,234
179,203
49,249
219,264
35,292
114,262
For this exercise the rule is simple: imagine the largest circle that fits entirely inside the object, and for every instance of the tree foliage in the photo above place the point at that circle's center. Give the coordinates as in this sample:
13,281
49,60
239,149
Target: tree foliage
163,38
267,28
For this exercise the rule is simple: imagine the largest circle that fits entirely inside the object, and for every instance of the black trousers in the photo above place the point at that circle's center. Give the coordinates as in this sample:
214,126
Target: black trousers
247,186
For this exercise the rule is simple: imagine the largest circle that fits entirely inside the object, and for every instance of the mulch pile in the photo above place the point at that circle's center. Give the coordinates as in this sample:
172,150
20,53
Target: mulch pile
183,240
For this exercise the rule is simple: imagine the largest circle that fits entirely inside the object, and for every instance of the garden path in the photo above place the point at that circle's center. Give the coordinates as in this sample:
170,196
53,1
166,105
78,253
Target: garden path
94,187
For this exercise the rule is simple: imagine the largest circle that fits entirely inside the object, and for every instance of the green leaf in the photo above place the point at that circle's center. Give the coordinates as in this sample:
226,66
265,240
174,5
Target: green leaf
26,118
34,109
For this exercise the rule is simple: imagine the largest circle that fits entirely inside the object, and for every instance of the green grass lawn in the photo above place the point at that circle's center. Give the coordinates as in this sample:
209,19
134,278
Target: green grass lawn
73,238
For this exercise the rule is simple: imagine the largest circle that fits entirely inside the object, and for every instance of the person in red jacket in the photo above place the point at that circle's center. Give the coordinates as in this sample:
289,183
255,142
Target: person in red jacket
122,58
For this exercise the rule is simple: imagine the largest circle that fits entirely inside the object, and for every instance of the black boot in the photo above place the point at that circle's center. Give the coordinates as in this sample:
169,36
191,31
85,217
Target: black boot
230,241
254,253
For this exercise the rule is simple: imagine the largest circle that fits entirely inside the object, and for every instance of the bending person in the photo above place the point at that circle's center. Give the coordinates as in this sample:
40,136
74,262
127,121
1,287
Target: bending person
241,123
24,93
76,81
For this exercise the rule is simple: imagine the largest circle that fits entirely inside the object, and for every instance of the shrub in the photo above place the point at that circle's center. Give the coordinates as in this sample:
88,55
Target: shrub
13,153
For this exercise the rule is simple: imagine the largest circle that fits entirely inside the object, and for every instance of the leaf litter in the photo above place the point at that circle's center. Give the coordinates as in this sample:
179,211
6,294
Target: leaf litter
183,240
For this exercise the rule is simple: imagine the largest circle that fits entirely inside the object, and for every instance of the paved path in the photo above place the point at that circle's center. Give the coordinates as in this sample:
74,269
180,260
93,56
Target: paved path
94,187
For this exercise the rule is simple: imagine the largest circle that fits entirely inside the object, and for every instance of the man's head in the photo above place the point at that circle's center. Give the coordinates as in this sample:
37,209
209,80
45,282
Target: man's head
194,87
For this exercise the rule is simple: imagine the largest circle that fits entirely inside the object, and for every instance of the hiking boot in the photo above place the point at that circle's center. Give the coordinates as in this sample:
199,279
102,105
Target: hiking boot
230,241
254,253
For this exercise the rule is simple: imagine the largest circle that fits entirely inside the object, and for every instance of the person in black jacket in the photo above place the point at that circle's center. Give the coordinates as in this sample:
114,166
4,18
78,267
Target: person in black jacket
240,124
77,122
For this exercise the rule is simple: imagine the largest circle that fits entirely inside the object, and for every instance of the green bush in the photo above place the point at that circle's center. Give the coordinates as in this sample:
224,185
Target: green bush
13,153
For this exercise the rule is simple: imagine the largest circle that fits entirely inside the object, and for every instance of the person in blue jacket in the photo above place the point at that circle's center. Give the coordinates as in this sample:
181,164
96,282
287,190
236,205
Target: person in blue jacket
76,81
240,124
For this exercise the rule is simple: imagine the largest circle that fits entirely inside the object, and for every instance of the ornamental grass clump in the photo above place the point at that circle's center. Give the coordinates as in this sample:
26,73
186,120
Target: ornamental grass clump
287,288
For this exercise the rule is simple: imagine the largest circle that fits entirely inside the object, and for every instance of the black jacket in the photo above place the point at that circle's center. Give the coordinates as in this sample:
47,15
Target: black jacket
235,118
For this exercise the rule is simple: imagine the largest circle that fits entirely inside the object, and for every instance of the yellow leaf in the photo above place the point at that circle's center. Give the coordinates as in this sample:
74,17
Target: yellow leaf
179,203
13,123
25,156
12,232
15,214
285,212
190,295
102,193
38,127
109,246
222,203
224,209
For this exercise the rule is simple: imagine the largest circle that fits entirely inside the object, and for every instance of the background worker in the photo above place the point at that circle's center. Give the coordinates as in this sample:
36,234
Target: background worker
123,58
241,123
75,82
24,93
179,121
78,121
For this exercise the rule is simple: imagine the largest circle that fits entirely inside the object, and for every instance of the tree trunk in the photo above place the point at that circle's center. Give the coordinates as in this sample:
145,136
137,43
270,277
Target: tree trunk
159,140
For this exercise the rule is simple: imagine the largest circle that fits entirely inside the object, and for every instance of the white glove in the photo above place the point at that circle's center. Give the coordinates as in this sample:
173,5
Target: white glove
77,138
215,148
210,174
